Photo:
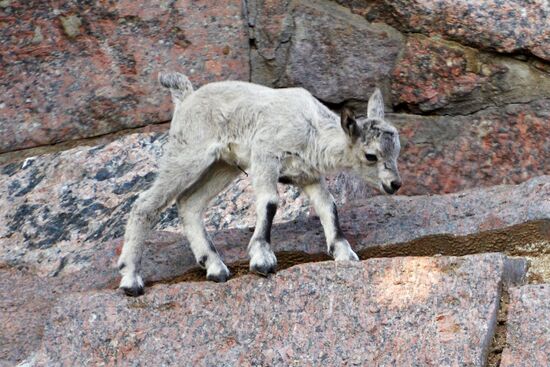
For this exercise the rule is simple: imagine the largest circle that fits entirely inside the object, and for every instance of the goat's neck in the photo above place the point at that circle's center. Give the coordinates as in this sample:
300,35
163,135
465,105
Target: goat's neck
333,151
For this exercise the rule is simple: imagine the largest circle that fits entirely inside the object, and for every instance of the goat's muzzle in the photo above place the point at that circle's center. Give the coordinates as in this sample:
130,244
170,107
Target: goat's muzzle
392,189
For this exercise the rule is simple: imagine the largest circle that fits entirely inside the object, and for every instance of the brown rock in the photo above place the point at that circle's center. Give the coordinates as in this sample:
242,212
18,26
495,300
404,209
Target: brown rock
499,145
505,26
71,70
25,302
528,328
446,78
438,311
320,46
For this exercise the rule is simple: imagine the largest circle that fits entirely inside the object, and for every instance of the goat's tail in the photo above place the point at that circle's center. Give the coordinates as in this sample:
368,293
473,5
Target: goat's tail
179,85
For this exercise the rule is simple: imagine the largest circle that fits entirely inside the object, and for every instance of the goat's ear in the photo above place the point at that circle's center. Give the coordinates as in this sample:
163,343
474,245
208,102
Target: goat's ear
347,119
376,105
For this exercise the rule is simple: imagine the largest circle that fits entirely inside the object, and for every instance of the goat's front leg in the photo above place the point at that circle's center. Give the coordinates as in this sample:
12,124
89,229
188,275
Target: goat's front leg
323,202
265,173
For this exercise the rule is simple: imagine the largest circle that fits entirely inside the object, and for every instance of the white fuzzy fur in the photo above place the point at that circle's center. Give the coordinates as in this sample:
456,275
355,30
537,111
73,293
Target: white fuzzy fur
225,127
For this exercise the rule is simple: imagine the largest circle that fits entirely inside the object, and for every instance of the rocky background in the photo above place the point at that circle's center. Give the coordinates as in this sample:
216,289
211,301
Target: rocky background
458,265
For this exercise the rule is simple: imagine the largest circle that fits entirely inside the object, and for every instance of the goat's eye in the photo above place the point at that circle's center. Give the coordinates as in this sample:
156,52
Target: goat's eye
371,157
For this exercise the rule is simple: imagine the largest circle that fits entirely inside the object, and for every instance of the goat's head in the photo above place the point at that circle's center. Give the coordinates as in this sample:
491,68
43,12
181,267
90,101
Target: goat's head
375,146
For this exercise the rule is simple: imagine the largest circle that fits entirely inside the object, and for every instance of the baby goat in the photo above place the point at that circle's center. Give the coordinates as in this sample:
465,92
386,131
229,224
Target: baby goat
277,135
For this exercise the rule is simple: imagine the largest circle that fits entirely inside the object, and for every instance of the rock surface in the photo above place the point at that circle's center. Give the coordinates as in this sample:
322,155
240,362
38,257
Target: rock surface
444,77
68,204
82,197
468,118
69,71
341,57
38,276
438,311
498,145
505,26
64,205
322,47
528,336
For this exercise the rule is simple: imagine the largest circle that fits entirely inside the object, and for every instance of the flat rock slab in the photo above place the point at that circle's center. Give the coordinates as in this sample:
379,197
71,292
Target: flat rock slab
403,311
528,334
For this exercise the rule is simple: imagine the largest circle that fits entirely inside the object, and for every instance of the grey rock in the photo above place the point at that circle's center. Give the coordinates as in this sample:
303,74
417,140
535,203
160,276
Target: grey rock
322,47
528,328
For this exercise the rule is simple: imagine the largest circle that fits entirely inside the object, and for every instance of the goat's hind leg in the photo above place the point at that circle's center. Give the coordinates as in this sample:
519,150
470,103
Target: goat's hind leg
175,176
191,206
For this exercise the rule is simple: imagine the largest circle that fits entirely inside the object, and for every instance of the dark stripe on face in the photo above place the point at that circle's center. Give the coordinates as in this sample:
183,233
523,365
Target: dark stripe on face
211,247
271,208
336,223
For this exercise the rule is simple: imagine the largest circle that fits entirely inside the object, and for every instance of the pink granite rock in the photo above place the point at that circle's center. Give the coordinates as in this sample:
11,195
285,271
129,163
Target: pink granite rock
36,277
507,26
70,70
64,205
528,328
444,77
402,311
499,145
340,57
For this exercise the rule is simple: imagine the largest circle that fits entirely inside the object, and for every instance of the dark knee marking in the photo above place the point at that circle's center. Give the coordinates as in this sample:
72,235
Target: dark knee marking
285,180
121,266
336,223
202,261
271,209
331,249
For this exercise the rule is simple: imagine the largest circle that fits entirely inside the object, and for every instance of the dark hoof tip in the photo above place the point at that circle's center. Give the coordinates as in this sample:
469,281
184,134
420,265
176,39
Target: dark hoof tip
218,278
263,270
133,292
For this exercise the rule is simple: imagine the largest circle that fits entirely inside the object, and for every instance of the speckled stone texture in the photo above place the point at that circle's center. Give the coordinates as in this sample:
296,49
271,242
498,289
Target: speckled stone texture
506,26
67,203
497,145
59,205
63,204
70,70
340,57
35,277
444,77
528,328
320,46
402,311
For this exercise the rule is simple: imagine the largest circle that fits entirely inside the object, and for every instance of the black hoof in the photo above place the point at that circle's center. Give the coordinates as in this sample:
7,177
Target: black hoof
263,270
134,291
219,278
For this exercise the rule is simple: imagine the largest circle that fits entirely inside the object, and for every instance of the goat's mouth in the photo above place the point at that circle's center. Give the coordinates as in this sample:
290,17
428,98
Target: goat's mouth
388,189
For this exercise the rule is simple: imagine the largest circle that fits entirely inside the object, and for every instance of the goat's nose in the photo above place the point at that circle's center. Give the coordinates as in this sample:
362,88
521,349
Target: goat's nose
395,185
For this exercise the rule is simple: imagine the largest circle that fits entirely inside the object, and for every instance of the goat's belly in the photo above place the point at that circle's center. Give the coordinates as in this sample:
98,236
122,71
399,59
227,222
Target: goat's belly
236,155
